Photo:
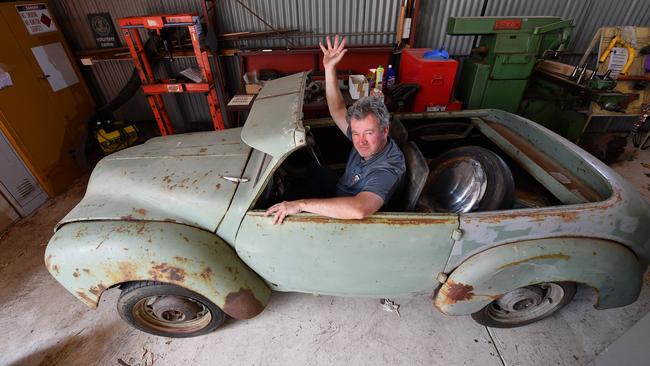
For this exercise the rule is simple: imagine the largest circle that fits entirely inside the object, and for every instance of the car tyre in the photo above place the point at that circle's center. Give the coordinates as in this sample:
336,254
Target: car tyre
526,305
168,310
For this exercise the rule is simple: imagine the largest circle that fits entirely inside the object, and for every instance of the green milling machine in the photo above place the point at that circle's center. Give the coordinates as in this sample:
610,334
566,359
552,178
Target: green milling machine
496,73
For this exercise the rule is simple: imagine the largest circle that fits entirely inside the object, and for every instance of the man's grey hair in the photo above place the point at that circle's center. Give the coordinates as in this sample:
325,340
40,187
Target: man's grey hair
369,105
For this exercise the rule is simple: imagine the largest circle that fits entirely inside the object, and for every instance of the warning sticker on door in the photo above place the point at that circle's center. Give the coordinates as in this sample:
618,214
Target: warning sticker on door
36,18
617,60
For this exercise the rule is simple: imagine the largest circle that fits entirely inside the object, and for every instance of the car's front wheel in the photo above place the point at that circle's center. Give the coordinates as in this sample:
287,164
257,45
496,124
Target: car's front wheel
526,305
168,310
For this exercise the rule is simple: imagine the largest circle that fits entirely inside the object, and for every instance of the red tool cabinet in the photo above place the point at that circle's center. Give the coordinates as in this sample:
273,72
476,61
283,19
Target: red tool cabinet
435,77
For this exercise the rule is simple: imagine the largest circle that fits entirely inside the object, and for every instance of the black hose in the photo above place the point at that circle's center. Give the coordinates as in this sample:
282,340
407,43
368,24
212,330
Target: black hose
105,112
127,92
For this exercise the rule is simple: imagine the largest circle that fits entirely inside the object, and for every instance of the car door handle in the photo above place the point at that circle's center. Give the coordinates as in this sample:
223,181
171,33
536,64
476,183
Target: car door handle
235,179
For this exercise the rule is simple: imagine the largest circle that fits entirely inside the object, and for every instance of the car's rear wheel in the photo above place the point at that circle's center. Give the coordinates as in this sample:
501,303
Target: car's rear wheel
168,310
526,305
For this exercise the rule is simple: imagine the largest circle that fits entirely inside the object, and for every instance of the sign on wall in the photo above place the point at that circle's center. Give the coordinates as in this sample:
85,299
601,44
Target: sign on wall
56,66
36,18
103,29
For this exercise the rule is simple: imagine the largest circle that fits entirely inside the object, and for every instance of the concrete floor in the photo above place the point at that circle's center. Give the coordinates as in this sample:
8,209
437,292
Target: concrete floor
41,323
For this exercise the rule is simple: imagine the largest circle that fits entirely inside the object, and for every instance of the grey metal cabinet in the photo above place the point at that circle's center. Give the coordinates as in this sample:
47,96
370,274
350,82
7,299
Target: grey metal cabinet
18,186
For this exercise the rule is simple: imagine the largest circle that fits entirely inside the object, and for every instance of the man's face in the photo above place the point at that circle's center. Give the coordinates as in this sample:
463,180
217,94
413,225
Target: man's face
367,137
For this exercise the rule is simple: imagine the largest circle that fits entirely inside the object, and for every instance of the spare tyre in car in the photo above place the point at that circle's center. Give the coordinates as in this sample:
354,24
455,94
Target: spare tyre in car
465,179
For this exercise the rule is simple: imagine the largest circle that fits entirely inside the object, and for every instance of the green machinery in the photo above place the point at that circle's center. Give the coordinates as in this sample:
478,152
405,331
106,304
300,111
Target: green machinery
497,71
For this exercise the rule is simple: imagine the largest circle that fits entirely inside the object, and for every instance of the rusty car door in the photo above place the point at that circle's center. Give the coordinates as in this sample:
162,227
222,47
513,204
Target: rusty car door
386,254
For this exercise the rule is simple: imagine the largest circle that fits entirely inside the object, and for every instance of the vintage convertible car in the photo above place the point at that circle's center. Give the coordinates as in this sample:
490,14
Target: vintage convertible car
499,218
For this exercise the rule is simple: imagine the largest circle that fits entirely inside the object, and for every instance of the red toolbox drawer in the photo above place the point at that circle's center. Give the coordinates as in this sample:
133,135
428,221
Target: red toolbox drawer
435,77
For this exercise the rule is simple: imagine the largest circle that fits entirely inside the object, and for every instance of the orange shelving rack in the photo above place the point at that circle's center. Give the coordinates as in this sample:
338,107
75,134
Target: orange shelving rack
154,88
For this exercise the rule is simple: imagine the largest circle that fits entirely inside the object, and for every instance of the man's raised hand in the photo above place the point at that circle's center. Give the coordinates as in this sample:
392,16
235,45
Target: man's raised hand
333,54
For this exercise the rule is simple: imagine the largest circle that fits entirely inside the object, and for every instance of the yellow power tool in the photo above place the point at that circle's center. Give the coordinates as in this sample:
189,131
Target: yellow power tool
630,52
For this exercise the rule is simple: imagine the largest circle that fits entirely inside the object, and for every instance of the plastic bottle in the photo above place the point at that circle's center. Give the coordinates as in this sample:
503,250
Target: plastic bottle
379,77
377,93
390,76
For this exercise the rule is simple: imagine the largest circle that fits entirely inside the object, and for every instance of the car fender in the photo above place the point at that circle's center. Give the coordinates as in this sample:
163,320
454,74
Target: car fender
89,257
609,267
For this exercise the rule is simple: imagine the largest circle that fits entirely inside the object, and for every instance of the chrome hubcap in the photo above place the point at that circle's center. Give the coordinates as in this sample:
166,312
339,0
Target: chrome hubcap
459,185
527,303
177,313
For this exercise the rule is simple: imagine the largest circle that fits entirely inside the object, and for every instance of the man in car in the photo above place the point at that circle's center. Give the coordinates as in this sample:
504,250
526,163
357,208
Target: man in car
375,166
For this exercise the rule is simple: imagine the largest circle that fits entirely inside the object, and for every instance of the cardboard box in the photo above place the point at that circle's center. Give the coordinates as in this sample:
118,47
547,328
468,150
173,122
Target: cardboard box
359,86
253,88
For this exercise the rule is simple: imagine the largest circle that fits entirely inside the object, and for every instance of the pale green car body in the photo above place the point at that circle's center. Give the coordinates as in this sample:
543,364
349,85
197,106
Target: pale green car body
179,209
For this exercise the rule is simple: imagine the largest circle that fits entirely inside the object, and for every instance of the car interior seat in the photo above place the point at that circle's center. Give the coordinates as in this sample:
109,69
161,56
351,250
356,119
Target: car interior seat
417,169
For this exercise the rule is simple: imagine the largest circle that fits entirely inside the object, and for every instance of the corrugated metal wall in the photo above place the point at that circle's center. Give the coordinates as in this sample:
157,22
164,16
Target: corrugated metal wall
588,16
431,31
314,17
376,19
367,21
72,15
605,13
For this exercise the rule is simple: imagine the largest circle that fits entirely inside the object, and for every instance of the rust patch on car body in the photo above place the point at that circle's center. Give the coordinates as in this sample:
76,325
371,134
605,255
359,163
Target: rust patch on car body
568,216
454,292
128,270
565,216
206,274
95,290
76,273
165,272
242,304
53,268
82,231
87,299
142,228
543,256
233,271
142,212
181,259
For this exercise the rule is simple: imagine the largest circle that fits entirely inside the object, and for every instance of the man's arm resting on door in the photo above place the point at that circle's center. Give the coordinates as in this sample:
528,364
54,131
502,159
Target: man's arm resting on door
356,207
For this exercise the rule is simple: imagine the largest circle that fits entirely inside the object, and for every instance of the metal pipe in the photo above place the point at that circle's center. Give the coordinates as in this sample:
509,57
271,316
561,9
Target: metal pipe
166,25
309,35
582,73
263,21
593,75
591,46
414,22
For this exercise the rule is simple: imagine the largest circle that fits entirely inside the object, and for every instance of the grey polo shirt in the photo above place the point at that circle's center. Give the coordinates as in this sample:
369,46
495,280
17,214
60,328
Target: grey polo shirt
381,174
